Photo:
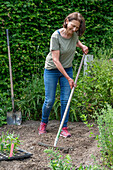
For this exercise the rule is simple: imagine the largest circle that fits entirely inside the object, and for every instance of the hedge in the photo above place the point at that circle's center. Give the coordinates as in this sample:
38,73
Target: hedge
31,23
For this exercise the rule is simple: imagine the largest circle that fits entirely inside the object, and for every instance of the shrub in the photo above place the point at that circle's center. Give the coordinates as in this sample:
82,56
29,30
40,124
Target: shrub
105,138
92,92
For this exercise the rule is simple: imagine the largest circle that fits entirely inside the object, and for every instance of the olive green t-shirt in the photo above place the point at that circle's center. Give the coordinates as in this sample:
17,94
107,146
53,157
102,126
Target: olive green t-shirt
66,47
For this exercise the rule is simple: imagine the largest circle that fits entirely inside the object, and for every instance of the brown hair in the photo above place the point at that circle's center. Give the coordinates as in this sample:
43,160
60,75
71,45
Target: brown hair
76,16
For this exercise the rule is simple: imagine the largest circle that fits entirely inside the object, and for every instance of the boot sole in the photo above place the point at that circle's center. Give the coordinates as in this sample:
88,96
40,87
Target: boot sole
65,136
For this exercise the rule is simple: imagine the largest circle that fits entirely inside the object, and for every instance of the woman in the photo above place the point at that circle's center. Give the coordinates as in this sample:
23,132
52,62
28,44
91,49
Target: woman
58,66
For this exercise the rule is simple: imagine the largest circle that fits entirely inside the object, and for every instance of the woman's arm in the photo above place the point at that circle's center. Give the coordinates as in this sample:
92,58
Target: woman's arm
83,47
55,56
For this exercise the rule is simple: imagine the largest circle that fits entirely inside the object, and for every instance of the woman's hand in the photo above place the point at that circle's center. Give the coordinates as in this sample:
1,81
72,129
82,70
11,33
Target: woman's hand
85,49
71,83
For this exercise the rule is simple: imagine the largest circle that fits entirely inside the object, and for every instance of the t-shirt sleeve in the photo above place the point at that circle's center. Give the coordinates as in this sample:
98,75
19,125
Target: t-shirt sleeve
54,43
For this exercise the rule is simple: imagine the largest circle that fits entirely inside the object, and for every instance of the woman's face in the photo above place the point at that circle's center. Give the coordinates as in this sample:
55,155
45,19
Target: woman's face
72,26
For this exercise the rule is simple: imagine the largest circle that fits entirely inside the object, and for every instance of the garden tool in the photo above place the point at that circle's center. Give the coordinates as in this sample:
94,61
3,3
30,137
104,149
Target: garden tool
13,117
68,103
64,149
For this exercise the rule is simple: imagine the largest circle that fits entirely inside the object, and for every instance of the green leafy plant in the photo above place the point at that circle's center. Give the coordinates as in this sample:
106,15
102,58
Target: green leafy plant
105,137
57,162
92,92
2,118
6,141
95,167
32,99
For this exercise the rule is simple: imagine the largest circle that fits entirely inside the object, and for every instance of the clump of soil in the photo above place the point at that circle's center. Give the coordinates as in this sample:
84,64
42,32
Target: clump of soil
82,146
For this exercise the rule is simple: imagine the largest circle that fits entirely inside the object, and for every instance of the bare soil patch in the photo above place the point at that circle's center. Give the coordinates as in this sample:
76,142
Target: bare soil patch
83,145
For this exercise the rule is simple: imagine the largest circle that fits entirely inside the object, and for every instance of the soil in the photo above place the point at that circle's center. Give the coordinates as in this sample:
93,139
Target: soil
79,146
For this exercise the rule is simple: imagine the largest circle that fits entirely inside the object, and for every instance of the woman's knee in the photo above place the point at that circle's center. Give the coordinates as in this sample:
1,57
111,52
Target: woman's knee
49,102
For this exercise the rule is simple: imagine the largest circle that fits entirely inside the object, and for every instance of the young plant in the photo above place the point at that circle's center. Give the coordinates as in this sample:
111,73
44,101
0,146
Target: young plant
57,162
6,141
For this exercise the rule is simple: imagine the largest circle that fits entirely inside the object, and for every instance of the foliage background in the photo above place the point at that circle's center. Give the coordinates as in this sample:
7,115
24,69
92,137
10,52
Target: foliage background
31,23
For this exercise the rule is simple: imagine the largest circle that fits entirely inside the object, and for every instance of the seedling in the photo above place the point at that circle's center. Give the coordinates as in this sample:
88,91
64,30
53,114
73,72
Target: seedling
6,141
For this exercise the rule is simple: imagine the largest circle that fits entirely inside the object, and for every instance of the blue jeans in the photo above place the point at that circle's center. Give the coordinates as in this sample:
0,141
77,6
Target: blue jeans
51,78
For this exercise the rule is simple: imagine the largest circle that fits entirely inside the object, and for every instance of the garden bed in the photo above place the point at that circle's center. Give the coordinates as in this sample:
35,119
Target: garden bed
83,145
